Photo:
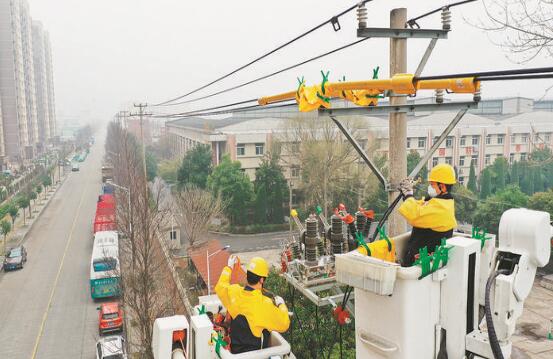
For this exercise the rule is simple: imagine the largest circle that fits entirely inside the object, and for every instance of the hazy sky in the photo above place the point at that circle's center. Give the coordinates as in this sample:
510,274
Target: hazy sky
109,53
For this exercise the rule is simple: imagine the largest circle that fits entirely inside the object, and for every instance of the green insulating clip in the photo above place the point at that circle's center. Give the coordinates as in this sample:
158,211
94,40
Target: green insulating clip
550,336
325,80
445,252
300,84
424,262
361,241
318,210
219,342
375,72
440,256
202,310
384,236
480,235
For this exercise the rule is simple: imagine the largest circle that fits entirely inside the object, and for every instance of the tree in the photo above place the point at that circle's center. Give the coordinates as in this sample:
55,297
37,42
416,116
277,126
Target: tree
270,189
13,210
195,209
465,203
326,159
196,166
514,178
524,25
32,197
542,201
413,158
151,166
485,183
23,202
488,213
527,178
471,185
46,181
313,332
168,170
5,228
500,170
234,187
38,189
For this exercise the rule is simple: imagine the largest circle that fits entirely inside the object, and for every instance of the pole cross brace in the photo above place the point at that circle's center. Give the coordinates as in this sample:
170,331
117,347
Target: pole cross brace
378,32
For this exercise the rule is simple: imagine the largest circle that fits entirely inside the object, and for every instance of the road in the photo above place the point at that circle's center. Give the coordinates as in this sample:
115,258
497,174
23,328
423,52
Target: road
45,309
251,242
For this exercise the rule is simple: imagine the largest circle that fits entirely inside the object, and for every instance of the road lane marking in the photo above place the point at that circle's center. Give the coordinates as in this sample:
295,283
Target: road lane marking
47,310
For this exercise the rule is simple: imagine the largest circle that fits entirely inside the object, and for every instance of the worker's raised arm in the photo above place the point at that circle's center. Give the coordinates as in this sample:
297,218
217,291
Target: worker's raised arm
427,214
277,318
223,283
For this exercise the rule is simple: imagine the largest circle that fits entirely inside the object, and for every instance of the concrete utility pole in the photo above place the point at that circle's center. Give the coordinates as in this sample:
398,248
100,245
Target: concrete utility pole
141,114
398,121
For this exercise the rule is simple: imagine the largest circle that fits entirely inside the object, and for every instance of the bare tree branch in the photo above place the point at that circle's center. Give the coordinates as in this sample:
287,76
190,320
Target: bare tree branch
523,27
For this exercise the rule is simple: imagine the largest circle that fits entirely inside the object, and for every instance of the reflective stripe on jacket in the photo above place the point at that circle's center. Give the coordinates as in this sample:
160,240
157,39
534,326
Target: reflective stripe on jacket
259,310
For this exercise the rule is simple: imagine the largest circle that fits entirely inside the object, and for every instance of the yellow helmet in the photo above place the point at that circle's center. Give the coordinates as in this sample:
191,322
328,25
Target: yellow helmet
258,266
442,173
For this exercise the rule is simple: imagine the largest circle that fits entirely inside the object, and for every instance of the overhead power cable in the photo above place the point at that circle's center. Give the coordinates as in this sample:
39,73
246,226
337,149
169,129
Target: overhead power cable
230,111
502,73
333,20
413,22
271,74
211,108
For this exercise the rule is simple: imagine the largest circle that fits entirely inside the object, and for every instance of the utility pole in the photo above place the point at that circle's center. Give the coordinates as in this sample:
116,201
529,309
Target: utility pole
141,114
398,121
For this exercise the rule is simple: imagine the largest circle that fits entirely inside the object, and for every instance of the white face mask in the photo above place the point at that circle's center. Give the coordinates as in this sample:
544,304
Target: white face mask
432,192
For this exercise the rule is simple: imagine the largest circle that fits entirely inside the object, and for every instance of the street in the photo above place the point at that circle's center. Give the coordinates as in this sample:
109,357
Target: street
45,309
251,242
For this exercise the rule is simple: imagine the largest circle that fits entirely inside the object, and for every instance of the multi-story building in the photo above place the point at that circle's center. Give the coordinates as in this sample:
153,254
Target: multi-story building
12,82
29,76
498,128
41,87
26,85
50,85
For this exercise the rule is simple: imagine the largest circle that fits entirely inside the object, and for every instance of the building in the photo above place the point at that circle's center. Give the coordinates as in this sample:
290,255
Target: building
41,87
29,76
12,83
510,128
26,85
52,123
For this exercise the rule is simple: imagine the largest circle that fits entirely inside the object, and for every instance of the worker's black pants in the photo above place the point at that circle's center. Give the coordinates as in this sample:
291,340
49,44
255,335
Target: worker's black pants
420,238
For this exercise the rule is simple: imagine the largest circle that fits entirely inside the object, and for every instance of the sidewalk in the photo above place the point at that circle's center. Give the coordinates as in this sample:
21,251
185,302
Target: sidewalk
22,226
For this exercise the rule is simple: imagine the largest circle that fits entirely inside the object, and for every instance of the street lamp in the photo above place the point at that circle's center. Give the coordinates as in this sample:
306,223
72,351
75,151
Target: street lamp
129,201
207,256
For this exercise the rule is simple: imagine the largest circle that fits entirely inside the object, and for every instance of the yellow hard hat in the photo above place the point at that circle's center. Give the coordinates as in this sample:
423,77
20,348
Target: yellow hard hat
442,173
258,266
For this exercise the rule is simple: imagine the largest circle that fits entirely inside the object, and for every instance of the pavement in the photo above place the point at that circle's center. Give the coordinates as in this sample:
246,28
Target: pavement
45,309
530,339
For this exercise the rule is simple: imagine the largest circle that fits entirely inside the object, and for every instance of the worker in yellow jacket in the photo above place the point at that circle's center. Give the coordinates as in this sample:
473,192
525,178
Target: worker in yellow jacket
253,314
432,218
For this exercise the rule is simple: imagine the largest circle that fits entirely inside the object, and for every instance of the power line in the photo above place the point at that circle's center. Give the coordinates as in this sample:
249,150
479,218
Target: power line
333,20
209,109
230,111
538,70
413,22
271,74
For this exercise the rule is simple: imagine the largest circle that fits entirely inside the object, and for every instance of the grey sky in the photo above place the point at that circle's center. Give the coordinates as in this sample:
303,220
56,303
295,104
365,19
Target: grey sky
108,53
